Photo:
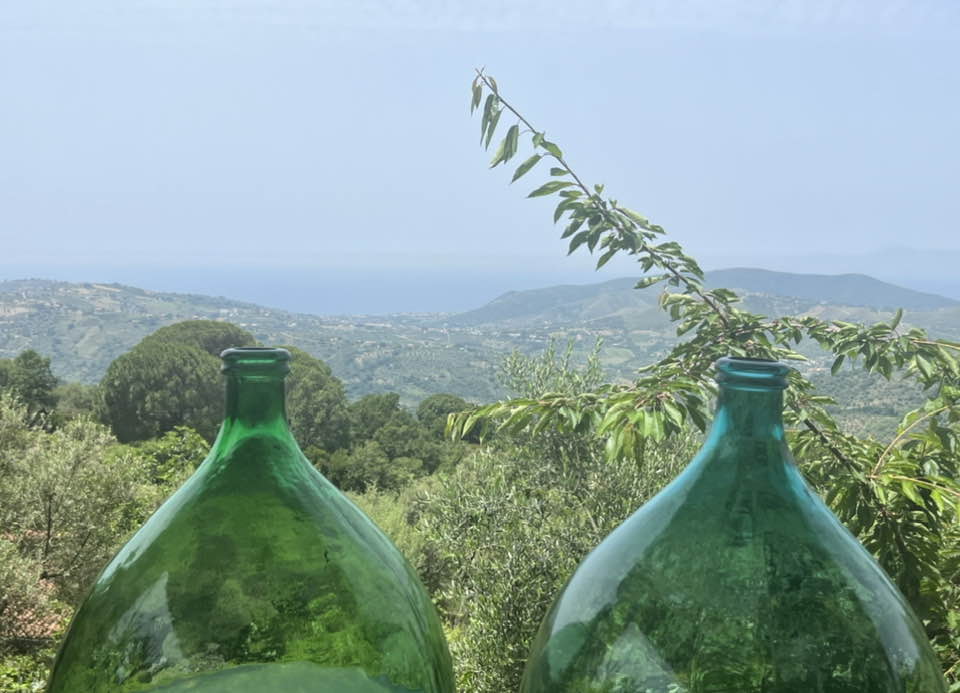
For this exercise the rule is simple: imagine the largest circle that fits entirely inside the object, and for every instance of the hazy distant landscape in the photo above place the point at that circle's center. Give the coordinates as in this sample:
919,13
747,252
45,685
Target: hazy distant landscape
402,286
84,326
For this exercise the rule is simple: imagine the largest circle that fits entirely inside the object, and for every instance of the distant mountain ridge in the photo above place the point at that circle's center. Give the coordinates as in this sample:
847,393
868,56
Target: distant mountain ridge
84,326
618,300
838,289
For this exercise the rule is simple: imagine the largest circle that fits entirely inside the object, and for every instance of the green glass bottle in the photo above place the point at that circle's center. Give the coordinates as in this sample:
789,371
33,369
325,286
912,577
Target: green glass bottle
256,576
736,578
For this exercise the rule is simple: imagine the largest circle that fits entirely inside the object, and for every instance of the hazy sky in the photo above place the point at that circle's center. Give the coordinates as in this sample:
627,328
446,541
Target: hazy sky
336,133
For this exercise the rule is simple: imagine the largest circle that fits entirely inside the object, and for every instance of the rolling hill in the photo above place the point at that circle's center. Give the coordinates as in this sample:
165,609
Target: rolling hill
83,327
617,302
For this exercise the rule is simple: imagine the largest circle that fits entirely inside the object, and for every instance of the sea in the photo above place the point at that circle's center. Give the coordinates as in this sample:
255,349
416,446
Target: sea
323,290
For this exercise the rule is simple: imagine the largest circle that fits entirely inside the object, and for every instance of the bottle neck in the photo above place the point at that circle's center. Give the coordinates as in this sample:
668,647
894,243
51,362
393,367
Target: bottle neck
255,402
748,413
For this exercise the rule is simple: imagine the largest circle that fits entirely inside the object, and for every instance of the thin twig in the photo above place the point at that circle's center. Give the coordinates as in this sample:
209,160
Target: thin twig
692,287
901,436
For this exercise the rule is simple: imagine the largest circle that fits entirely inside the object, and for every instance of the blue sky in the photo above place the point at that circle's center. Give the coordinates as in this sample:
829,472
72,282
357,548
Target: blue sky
336,135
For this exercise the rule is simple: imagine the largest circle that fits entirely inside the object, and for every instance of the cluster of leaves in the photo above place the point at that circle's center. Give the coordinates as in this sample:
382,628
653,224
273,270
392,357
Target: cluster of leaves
28,377
900,498
26,673
389,446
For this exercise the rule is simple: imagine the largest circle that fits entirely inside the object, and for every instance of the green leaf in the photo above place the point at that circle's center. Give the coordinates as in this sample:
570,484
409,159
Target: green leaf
896,319
577,241
674,413
639,218
500,154
924,366
836,364
556,171
488,107
513,138
494,119
606,257
551,187
526,166
650,281
595,234
910,491
572,227
508,145
564,206
552,148
477,95
537,139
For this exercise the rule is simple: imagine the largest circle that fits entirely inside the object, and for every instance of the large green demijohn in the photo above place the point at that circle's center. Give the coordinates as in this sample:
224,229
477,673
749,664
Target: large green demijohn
256,576
736,578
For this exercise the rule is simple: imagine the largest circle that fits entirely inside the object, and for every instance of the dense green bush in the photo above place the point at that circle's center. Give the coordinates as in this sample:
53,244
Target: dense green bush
25,673
28,377
389,447
69,497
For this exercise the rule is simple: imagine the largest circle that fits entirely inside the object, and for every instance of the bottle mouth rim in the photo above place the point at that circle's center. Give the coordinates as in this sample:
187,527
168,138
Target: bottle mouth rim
255,361
759,373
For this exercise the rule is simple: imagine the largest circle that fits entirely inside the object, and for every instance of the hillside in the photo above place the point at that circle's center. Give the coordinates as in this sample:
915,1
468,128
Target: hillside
836,289
83,327
560,304
617,303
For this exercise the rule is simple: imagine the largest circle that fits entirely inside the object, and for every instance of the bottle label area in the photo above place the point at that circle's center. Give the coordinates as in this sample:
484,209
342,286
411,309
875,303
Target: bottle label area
293,677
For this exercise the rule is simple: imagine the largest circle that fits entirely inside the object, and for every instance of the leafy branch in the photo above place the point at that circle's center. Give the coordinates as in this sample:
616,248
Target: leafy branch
901,498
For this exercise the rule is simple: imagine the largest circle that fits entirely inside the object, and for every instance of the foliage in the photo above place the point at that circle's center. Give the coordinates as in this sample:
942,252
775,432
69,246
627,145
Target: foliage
68,498
316,402
27,613
369,466
25,673
74,400
502,533
389,446
209,336
394,513
170,459
159,385
172,378
371,413
432,413
524,376
65,498
29,378
900,499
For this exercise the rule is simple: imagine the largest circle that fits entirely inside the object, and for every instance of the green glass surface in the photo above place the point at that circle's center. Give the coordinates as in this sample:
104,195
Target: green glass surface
257,574
736,578
297,677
